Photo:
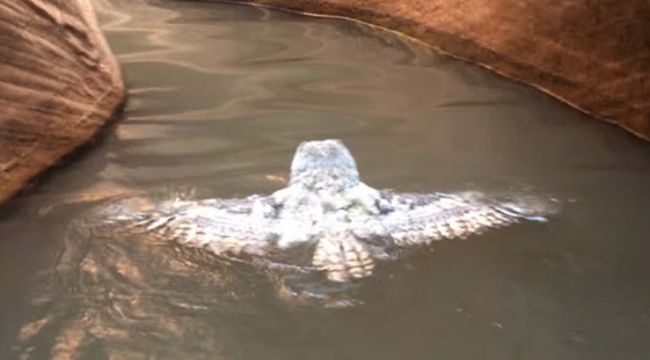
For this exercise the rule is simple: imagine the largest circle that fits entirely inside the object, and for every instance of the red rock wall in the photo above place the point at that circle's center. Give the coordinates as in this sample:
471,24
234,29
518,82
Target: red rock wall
59,84
593,54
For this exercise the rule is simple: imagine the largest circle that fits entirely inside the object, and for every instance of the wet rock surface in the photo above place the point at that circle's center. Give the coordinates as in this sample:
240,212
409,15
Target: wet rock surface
592,54
59,84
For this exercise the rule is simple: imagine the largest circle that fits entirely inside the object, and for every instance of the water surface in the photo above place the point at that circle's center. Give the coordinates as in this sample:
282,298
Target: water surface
220,95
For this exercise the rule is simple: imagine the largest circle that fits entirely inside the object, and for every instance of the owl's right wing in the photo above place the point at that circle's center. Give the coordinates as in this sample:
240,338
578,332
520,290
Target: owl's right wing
423,218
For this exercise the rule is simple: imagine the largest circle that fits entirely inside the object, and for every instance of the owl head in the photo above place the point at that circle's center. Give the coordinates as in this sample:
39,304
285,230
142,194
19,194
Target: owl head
323,163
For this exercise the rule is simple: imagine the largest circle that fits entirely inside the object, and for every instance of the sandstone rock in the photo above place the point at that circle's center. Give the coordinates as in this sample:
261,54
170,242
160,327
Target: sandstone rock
592,54
59,84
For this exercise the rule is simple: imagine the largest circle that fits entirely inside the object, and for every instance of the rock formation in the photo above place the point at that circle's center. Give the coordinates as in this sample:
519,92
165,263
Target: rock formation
59,84
592,54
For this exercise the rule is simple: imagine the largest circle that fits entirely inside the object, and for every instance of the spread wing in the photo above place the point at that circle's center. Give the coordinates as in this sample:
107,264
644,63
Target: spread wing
421,219
223,226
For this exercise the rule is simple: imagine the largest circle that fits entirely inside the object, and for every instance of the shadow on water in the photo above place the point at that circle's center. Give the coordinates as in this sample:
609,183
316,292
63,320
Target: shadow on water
219,97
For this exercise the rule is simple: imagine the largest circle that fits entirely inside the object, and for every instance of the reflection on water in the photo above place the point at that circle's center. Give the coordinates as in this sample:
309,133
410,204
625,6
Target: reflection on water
219,97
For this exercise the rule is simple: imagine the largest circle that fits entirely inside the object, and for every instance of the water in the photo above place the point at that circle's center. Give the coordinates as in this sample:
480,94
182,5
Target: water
219,97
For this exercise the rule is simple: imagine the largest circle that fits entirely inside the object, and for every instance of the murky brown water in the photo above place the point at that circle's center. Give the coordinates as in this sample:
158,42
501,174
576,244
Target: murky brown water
221,95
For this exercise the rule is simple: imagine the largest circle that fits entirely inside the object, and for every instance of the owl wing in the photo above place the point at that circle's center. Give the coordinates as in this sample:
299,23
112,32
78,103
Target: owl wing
423,218
232,226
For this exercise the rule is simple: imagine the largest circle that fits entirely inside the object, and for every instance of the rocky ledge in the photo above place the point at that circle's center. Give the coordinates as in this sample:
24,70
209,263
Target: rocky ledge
59,84
592,54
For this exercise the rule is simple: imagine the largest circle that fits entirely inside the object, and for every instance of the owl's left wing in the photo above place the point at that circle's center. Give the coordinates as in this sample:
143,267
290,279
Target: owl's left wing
222,226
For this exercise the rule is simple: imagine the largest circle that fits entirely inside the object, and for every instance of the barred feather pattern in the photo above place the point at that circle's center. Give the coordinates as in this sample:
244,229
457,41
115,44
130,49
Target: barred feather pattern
221,226
449,217
326,207
343,258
